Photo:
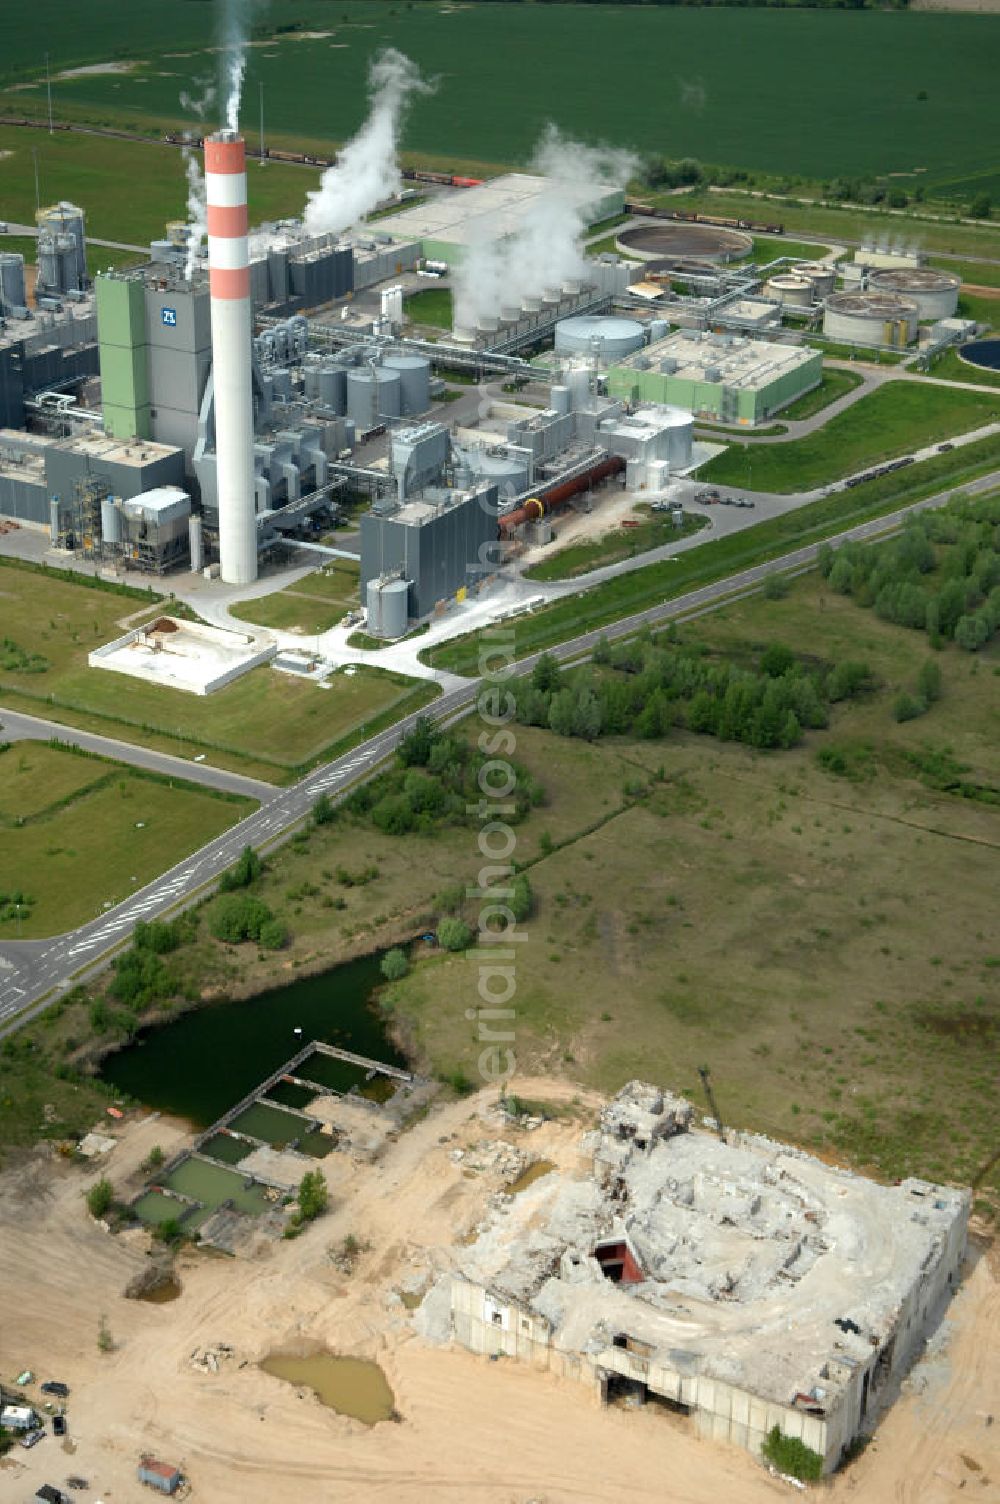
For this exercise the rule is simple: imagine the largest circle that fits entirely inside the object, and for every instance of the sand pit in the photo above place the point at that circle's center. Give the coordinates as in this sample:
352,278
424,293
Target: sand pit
493,1433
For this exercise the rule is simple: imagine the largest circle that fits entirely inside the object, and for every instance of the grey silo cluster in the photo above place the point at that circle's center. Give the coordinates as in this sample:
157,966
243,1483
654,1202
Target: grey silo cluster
62,249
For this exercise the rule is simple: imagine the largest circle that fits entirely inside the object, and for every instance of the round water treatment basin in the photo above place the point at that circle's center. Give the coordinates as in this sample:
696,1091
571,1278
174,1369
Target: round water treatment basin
984,353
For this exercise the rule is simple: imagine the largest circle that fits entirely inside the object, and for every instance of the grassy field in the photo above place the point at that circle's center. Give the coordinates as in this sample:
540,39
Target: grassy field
315,89
833,385
430,306
311,605
768,247
721,557
951,367
79,833
654,530
896,418
266,724
99,257
979,273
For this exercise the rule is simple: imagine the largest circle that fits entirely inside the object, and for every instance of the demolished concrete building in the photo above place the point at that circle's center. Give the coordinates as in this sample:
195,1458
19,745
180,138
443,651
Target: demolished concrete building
746,1283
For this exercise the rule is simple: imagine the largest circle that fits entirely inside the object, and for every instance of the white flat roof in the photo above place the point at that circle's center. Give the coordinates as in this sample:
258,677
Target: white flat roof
466,216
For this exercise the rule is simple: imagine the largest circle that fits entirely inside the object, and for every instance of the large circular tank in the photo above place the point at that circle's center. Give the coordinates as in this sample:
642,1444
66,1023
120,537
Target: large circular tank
870,318
12,280
680,436
388,607
373,393
415,381
677,238
332,388
983,353
820,273
935,293
504,469
791,292
615,337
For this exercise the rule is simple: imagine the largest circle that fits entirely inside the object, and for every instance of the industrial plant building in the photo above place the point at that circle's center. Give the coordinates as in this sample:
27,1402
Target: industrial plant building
727,378
447,225
743,1283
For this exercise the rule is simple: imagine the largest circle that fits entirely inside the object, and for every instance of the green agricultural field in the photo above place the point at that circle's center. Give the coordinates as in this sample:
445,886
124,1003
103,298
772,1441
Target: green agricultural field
268,725
720,557
653,531
899,416
315,89
431,306
311,605
78,834
834,385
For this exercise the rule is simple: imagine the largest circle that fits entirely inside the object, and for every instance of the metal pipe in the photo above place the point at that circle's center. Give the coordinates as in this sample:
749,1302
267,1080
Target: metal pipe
229,286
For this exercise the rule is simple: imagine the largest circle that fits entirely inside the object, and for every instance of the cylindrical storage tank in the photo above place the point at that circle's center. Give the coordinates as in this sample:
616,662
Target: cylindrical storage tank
821,274
12,280
372,394
658,329
388,607
48,263
196,543
559,397
111,521
934,292
415,381
613,338
509,472
870,318
791,292
69,275
332,388
310,382
578,381
53,519
680,437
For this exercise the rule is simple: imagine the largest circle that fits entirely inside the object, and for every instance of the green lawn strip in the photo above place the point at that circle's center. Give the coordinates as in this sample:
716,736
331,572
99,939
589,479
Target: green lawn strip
93,847
834,351
834,384
951,367
288,611
618,543
767,248
978,273
432,305
978,306
715,560
890,421
35,780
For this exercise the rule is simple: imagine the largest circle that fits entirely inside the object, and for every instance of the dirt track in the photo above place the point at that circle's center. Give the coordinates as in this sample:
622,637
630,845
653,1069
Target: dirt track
471,1430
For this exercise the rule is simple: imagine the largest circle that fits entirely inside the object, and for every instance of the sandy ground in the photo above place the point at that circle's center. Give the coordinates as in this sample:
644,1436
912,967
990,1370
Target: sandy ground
469,1430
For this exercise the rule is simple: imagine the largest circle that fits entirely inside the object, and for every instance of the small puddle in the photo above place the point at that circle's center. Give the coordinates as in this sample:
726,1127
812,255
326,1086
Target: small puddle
529,1176
411,1299
352,1386
162,1293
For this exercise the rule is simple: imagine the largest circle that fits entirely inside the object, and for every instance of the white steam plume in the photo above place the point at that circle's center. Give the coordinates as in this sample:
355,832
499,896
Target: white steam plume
199,103
367,171
197,209
235,29
547,248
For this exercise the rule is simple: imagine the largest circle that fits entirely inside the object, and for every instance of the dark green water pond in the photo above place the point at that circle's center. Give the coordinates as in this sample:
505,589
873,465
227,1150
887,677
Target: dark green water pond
203,1062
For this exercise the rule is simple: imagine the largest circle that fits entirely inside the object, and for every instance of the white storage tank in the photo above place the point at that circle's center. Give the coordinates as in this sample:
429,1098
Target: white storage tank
870,318
509,471
111,521
680,437
388,607
559,396
373,393
934,292
658,329
196,543
414,381
791,291
614,338
821,274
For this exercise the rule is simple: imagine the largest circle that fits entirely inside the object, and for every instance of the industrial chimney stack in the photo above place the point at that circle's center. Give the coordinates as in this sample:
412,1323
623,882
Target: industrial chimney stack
229,285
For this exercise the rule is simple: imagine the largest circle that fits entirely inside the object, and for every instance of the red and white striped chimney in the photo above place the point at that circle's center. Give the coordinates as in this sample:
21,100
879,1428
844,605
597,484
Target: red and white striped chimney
229,285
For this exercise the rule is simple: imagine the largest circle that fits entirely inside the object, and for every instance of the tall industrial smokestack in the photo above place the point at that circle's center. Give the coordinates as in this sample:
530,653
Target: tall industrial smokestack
229,285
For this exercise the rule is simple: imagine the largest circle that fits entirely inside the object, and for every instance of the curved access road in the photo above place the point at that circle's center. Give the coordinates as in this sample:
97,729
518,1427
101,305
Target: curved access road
33,973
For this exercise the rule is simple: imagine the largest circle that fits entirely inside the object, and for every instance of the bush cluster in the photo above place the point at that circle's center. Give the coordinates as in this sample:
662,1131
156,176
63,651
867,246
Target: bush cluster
653,685
18,660
245,871
790,1455
236,917
141,976
940,576
435,780
15,904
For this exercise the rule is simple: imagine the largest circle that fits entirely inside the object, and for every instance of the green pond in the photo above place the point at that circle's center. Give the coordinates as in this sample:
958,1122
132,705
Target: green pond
214,1184
351,1386
203,1062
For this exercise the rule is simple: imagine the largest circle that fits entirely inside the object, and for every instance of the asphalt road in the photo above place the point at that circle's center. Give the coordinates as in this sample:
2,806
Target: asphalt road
33,973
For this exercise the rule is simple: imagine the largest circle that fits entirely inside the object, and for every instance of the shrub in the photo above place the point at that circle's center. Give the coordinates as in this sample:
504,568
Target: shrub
273,934
238,916
929,681
323,811
454,934
243,873
394,965
776,587
100,1197
777,660
790,1455
313,1195
907,707
521,898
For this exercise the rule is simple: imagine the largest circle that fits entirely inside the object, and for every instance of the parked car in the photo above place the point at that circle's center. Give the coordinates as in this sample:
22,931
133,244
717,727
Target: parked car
59,1425
31,1437
53,1386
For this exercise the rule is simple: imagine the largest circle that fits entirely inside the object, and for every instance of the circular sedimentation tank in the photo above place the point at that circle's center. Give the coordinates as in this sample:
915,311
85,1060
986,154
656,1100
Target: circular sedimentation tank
615,337
984,353
674,238
934,292
870,318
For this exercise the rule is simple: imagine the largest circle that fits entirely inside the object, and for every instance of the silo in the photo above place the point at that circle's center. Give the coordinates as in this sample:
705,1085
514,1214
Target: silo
934,292
415,381
11,280
332,388
111,521
658,329
53,519
612,338
508,471
373,393
559,396
578,381
65,219
48,263
388,607
196,543
791,291
870,318
821,274
310,382
680,437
